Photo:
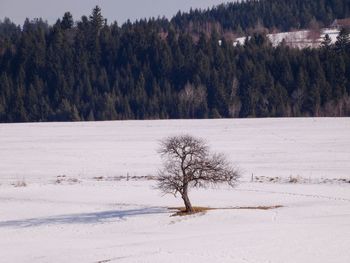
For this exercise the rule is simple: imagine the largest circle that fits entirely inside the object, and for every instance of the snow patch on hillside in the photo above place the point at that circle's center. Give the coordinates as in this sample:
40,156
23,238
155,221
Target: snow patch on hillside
298,39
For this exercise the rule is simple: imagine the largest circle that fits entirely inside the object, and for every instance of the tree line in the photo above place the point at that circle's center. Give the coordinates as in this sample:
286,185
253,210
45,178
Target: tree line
91,70
274,15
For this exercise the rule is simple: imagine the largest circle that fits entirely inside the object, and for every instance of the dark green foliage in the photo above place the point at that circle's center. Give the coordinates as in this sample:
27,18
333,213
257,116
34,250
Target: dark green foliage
67,21
243,16
152,69
343,40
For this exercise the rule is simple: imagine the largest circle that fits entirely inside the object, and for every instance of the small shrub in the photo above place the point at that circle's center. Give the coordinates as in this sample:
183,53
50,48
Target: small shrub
293,180
20,184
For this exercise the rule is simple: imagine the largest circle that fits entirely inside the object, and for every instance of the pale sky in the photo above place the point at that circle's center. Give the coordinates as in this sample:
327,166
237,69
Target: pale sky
113,10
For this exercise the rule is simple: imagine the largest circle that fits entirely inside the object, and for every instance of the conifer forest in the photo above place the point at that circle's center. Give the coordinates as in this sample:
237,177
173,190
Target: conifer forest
89,68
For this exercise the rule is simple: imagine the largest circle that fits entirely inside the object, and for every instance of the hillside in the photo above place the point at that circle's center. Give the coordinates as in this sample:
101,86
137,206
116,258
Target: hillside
159,69
299,39
281,15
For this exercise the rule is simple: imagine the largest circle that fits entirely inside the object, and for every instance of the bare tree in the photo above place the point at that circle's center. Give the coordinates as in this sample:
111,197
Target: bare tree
192,100
188,163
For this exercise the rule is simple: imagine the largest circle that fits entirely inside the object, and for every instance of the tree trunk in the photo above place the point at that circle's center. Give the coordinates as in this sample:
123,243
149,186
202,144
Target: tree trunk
187,201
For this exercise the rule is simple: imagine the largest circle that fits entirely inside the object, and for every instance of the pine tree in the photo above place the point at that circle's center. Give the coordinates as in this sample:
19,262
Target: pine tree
343,40
326,43
67,21
96,20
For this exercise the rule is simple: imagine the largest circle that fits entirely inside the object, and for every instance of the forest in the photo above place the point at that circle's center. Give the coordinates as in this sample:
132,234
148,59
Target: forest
280,15
185,67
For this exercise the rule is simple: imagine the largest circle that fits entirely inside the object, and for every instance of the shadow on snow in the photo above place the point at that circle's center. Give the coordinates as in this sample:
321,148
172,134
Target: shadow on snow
85,218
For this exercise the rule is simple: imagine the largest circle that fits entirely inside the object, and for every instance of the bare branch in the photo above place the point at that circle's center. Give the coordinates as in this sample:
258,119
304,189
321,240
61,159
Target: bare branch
188,162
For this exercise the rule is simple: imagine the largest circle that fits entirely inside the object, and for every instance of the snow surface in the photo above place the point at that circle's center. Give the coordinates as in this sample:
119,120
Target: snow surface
265,147
298,39
79,218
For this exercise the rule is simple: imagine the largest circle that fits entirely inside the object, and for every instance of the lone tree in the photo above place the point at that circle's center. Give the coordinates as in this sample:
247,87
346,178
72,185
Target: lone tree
187,162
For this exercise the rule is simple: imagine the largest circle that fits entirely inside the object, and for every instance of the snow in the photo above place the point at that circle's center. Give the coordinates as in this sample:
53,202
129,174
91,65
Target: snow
298,39
110,219
267,147
332,33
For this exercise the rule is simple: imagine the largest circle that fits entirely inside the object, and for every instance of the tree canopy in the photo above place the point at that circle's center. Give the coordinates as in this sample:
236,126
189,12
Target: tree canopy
188,163
151,69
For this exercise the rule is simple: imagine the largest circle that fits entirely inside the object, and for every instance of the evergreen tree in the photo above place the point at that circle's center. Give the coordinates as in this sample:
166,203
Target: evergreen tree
343,40
67,21
326,42
183,68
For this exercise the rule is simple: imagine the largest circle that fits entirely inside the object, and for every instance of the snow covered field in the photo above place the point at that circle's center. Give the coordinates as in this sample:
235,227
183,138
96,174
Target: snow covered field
310,148
89,214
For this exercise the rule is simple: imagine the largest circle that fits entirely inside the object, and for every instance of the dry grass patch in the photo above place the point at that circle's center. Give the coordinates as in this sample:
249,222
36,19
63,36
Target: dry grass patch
60,179
257,207
181,211
98,178
20,184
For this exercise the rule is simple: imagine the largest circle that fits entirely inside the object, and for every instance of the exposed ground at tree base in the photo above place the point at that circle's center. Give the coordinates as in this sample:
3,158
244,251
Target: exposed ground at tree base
181,211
